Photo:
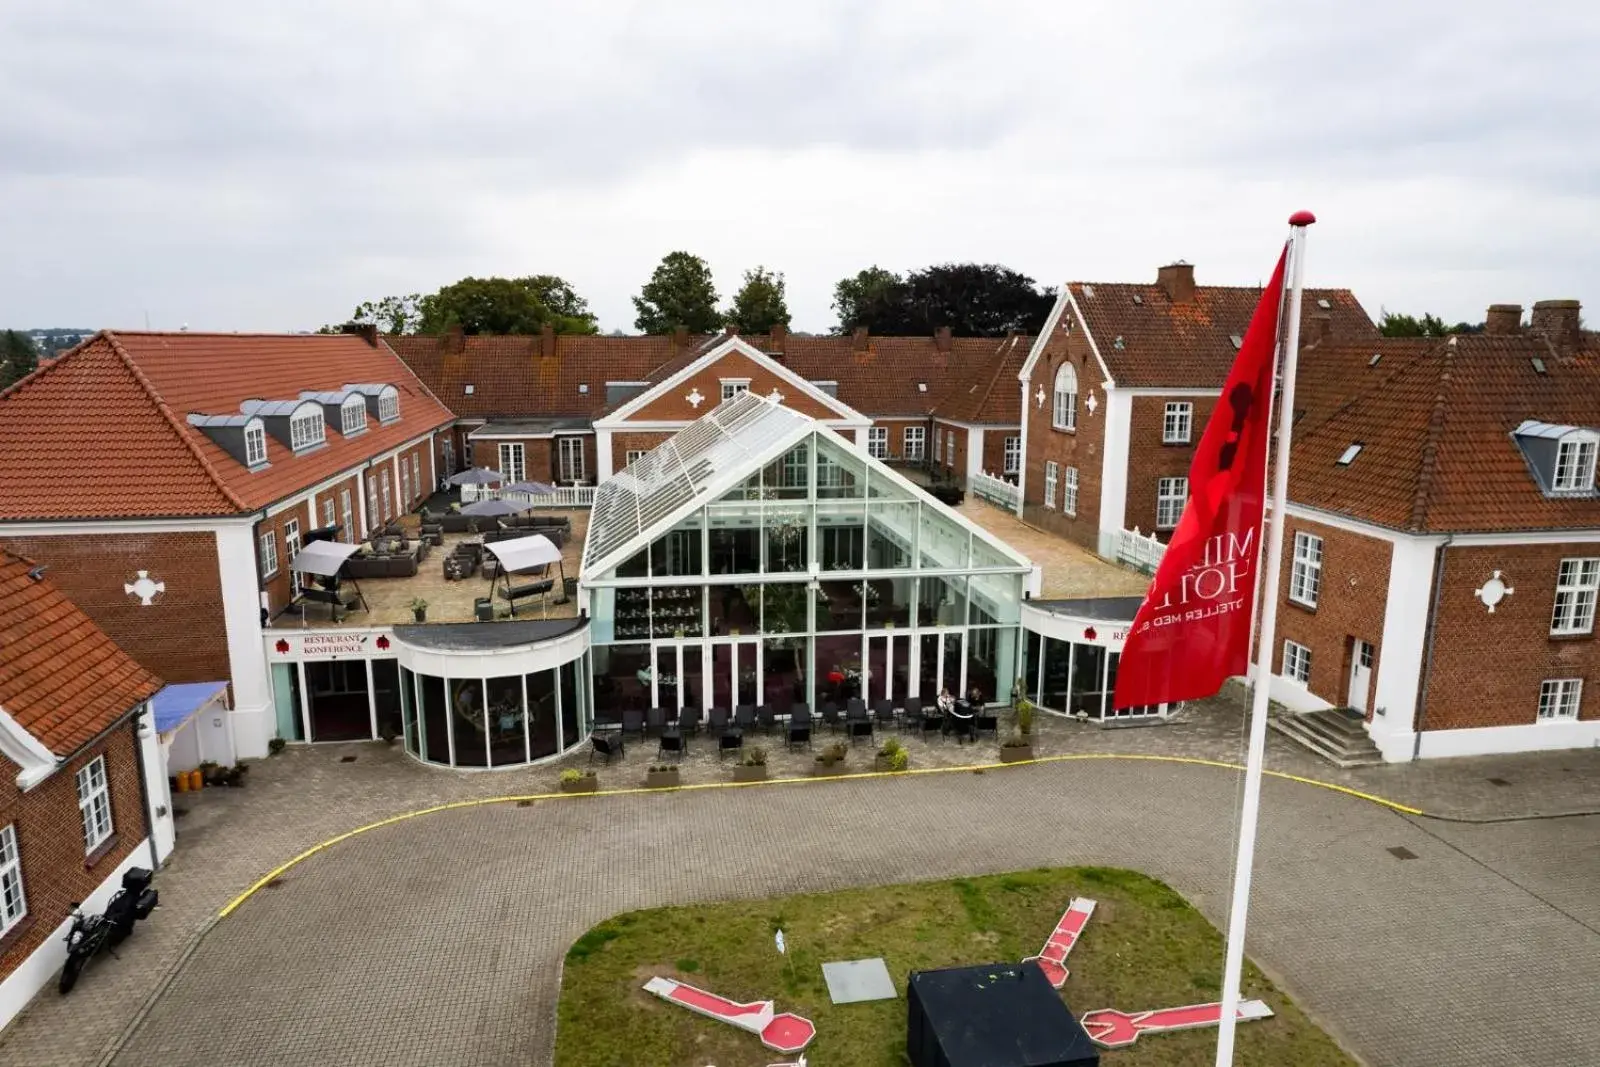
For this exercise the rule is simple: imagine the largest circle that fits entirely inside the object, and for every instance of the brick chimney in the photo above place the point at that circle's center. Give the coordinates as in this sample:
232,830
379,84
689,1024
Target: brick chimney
730,330
941,338
454,340
1558,320
780,337
1321,328
367,331
1177,279
680,337
1503,319
858,339
547,341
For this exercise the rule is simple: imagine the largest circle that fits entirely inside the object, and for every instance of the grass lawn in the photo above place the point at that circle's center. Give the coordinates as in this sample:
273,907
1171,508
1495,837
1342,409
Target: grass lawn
1145,948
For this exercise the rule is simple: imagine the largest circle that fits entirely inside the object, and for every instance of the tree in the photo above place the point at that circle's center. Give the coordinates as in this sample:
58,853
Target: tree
972,299
567,311
679,293
19,357
759,305
482,305
392,314
1391,324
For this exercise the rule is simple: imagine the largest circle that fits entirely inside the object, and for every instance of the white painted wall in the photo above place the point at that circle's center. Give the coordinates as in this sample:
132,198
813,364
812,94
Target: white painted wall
1114,468
1401,653
254,722
1489,740
602,456
975,452
153,757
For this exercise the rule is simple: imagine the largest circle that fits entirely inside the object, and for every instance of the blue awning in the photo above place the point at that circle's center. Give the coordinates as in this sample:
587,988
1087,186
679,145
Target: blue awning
176,704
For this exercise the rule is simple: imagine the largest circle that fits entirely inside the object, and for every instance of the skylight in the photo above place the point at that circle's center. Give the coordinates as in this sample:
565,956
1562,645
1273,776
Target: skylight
922,387
1350,454
1373,362
1118,343
1538,364
1138,298
1236,341
1324,304
467,390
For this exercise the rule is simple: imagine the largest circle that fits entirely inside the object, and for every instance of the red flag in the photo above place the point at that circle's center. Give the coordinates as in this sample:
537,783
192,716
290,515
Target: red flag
1193,630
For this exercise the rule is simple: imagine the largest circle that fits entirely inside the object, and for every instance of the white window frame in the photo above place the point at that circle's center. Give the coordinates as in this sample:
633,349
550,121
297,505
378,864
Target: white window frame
1069,492
353,415
1064,398
291,549
94,804
1577,588
269,553
416,476
347,517
915,442
513,461
306,427
1305,573
631,455
1171,495
732,387
405,484
1296,662
878,442
938,446
13,899
389,404
1050,478
1560,699
1177,423
1575,463
327,512
950,448
1012,463
569,459
385,500
373,520
255,444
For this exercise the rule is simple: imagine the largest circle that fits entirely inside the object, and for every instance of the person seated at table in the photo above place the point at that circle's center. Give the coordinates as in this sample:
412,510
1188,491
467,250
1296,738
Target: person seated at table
975,698
946,703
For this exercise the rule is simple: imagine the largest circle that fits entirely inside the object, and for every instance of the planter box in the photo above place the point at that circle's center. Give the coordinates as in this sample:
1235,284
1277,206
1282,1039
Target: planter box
1016,755
882,763
743,773
662,779
589,784
827,770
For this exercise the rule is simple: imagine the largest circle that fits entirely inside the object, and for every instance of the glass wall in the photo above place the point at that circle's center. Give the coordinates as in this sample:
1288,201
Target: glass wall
500,721
1069,677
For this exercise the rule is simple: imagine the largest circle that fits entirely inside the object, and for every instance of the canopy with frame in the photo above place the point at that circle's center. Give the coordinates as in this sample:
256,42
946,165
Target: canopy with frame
475,476
323,560
523,555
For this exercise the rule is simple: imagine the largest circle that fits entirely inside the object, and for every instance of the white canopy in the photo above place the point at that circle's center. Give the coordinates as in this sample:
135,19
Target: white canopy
323,557
524,553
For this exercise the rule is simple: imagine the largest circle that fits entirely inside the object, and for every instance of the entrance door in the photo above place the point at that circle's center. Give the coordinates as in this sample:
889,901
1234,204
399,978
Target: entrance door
1360,673
676,680
447,456
512,462
736,672
888,666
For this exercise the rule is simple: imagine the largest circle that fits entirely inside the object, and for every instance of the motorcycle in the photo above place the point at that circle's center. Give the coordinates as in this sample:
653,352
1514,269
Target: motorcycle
90,933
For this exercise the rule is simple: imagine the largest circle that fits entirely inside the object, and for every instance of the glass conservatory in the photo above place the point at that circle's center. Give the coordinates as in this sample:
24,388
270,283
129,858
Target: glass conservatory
758,557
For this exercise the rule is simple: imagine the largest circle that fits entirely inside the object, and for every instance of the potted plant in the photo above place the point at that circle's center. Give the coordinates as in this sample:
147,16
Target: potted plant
1015,749
830,761
662,776
276,745
892,756
753,768
573,780
1024,716
419,609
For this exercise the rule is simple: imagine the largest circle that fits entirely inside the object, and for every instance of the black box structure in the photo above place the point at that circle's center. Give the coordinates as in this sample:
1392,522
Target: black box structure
999,1015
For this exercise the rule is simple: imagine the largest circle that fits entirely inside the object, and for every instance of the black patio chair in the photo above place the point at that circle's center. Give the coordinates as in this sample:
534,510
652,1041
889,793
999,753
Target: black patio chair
932,723
767,716
655,719
799,732
911,712
858,723
962,725
604,746
883,712
689,720
633,722
732,740
855,707
717,720
985,719
830,715
610,719
744,716
671,741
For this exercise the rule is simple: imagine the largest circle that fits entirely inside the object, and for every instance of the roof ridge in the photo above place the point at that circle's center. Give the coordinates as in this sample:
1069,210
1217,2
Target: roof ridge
172,420
1429,466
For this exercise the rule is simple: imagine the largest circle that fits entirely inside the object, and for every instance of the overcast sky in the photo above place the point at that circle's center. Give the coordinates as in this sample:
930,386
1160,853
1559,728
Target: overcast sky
268,166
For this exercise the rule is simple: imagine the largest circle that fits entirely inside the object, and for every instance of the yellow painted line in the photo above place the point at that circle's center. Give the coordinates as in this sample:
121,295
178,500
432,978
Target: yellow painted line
278,871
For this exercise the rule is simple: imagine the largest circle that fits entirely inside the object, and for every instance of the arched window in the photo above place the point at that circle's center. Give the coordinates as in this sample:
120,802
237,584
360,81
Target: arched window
353,414
1065,415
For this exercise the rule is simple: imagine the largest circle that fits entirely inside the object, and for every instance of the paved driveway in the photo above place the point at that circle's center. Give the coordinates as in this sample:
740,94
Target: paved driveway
438,940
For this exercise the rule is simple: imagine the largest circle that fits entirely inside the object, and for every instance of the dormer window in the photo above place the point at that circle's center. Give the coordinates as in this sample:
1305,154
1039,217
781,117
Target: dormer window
389,404
255,444
306,429
1575,460
353,415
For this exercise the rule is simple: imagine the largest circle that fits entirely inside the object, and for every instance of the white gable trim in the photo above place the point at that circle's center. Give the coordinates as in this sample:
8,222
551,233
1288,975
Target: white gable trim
1045,333
26,751
1094,346
846,415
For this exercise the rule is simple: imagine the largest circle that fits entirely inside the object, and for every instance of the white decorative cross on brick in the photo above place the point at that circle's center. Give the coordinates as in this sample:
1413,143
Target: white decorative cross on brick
695,399
1493,591
1039,396
144,588
1091,403
775,396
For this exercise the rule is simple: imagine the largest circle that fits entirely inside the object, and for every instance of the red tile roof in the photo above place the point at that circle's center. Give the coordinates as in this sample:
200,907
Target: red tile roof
134,391
61,678
985,390
1435,420
1149,341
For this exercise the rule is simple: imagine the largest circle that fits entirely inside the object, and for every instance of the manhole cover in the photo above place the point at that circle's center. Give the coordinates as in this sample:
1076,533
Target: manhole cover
1400,852
347,759
1498,781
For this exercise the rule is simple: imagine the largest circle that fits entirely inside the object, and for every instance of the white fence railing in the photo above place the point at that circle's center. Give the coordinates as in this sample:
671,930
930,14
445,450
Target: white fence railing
1139,550
565,496
994,490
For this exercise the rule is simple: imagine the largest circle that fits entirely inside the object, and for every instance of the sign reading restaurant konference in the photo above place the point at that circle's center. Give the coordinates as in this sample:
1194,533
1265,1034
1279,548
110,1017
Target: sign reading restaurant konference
331,644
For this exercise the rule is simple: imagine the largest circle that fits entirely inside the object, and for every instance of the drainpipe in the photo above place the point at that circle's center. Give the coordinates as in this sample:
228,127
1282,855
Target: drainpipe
1420,712
144,783
1022,459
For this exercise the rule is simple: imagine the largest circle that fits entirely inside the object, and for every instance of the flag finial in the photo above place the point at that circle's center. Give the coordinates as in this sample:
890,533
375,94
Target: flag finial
1302,218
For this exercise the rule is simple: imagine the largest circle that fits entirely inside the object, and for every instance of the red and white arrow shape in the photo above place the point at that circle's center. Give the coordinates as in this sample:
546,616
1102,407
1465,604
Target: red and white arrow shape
781,1033
1052,959
1110,1028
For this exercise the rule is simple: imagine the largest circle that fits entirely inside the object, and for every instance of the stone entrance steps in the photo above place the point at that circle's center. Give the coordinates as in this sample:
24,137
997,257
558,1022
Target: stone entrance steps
1335,734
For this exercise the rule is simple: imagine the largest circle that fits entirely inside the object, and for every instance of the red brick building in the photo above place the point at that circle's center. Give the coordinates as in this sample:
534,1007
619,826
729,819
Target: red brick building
1442,554
75,807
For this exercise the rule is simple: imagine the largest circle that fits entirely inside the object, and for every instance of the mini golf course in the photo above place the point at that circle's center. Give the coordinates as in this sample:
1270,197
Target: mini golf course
1144,950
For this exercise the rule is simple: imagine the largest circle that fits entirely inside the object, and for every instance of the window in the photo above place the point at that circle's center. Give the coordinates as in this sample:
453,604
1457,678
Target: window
384,500
571,459
950,448
416,474
255,444
1305,575
389,404
291,549
1176,422
346,517
94,803
13,904
732,387
371,517
269,554
1558,699
327,512
1170,496
353,414
794,471
1064,416
1575,457
1348,456
915,438
1577,583
1069,494
1050,483
878,442
1297,662
938,446
633,454
306,428
512,462
405,483
1013,454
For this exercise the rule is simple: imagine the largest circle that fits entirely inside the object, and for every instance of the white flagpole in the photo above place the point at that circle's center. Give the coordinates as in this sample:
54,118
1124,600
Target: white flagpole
1233,968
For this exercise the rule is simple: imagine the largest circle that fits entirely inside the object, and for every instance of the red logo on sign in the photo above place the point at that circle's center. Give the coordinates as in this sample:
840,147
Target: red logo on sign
382,642
282,646
1089,634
